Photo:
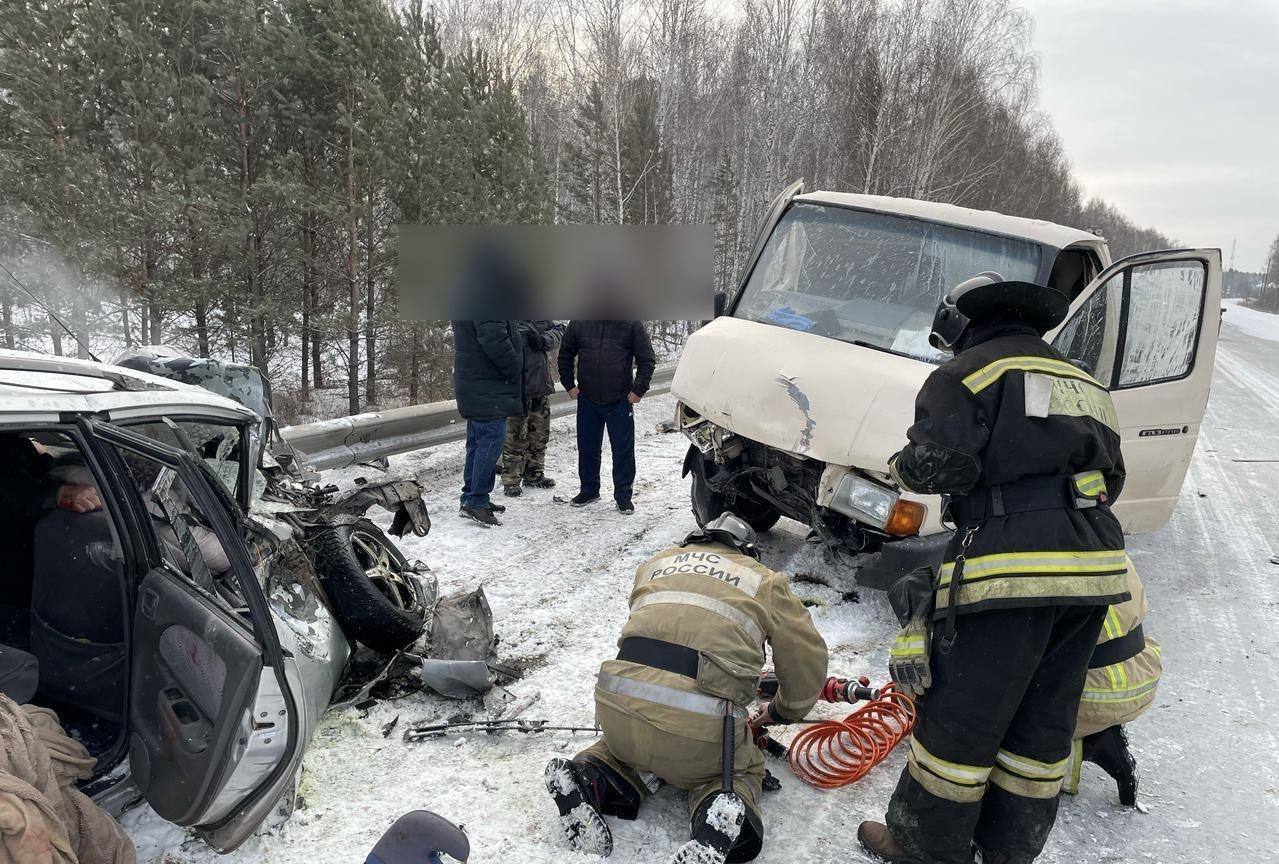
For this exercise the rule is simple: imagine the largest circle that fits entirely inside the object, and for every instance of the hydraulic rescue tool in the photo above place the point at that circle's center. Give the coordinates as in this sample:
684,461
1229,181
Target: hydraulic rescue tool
833,753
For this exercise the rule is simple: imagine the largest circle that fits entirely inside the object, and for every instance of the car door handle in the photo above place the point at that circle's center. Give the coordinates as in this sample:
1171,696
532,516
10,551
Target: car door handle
150,603
183,723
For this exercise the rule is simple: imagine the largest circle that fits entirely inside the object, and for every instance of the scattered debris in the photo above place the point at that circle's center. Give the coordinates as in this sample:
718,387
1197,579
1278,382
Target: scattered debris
388,728
438,730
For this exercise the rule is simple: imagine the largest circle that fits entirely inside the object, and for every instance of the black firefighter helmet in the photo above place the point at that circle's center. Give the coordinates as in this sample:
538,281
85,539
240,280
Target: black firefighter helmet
988,295
729,529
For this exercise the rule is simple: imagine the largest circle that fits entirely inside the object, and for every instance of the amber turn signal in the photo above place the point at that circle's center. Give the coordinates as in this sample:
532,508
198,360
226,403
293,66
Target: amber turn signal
905,518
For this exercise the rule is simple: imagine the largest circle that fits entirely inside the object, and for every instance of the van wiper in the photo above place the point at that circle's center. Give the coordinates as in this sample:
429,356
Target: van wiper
861,344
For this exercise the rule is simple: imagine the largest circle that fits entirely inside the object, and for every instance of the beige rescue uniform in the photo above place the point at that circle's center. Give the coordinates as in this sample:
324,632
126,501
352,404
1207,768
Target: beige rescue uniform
1120,693
726,606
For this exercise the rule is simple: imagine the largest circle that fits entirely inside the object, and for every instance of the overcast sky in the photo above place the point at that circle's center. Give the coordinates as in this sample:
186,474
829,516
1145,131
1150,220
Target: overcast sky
1169,109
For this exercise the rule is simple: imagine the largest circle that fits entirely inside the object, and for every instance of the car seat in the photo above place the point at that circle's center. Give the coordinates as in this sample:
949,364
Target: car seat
77,613
19,674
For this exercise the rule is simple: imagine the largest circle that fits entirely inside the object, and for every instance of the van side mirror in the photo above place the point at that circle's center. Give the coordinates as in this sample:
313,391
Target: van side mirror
721,303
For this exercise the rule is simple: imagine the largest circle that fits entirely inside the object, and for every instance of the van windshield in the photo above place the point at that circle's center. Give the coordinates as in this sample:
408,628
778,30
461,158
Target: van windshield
871,278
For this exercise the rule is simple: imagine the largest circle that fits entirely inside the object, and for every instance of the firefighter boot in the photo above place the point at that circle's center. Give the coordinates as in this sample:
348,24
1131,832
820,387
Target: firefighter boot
1108,750
716,827
879,842
584,827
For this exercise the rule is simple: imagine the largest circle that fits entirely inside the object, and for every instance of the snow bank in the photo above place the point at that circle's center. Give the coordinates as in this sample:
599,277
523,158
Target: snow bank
1253,322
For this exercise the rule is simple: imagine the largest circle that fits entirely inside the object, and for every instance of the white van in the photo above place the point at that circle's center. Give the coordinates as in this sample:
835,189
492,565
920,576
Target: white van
796,395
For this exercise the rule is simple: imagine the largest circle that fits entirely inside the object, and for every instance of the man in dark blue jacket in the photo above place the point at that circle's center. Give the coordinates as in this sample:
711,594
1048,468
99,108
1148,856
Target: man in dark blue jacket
488,369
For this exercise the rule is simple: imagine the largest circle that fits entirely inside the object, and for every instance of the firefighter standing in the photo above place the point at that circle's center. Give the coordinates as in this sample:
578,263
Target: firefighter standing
672,706
1026,445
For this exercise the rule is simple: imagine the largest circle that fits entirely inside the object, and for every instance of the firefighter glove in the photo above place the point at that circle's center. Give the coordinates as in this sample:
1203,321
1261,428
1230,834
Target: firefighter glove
908,659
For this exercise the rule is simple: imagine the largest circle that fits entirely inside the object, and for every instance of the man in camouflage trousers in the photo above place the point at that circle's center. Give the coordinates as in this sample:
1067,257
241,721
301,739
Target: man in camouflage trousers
524,455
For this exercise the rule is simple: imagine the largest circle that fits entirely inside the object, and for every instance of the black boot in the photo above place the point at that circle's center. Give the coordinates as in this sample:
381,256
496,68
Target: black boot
584,827
539,481
716,827
479,515
1108,750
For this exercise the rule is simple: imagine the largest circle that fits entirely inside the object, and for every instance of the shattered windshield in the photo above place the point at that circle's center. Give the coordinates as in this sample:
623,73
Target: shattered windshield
871,278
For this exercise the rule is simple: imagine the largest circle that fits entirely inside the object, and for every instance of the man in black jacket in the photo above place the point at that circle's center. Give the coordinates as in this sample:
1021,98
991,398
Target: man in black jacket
527,434
488,368
606,366
997,645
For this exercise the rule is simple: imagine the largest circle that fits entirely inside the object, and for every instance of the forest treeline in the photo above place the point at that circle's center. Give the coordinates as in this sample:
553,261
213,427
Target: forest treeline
226,175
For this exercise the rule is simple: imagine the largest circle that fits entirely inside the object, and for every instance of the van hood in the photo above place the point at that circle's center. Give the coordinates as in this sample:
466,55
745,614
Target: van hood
809,395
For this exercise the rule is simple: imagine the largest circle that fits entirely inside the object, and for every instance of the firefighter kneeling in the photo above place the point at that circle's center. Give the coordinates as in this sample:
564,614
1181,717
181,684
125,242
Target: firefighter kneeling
672,705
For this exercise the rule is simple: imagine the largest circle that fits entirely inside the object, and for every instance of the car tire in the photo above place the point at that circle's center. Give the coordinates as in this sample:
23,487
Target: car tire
708,504
364,575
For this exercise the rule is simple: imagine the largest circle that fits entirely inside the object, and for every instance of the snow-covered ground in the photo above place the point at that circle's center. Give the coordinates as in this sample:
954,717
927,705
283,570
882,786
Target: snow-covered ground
557,579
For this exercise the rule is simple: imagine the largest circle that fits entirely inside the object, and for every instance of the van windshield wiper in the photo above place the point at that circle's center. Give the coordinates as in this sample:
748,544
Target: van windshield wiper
873,347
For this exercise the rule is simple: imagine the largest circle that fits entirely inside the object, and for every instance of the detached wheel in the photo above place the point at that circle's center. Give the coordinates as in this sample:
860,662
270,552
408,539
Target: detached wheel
708,504
369,581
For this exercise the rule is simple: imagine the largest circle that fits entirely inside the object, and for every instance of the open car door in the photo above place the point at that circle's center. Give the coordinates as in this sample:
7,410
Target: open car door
1147,329
212,722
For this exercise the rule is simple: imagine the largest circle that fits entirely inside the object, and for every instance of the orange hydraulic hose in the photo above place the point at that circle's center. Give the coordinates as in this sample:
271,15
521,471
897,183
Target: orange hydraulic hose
834,753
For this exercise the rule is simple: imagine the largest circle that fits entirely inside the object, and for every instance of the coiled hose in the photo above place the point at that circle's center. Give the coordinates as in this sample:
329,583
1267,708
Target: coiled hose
834,753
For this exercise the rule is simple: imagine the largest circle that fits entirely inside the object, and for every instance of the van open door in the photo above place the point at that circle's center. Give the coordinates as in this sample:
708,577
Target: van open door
1147,329
212,722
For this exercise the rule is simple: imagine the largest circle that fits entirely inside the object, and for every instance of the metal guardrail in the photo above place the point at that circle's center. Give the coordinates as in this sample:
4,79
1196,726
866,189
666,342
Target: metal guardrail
376,435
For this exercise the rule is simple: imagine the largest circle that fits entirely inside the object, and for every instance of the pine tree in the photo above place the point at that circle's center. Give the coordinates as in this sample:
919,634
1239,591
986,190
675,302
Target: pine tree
646,165
591,198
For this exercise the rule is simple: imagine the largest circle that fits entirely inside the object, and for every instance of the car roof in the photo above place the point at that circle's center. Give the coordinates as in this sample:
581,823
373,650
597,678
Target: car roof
39,388
1037,230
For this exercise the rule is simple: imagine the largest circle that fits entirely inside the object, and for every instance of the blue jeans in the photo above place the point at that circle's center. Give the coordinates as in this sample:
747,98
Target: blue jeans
619,419
484,440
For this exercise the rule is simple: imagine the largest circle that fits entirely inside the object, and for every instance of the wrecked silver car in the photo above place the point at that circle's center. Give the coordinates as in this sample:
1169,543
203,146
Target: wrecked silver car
192,601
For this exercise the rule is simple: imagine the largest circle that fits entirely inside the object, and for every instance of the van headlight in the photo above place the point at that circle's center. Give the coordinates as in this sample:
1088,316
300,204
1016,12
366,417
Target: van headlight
878,506
863,500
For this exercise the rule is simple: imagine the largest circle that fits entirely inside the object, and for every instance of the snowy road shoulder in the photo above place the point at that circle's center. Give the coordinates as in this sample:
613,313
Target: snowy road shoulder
557,578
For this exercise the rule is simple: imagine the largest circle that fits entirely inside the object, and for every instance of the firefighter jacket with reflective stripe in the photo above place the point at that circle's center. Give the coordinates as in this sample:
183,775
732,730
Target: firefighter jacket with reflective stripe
1011,412
727,607
1121,692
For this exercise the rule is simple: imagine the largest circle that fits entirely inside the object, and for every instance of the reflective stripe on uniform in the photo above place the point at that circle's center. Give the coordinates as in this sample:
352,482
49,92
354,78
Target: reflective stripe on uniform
683,700
1118,686
1074,767
1096,585
992,372
710,604
949,780
1030,575
912,642
1099,562
1026,777
1090,484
